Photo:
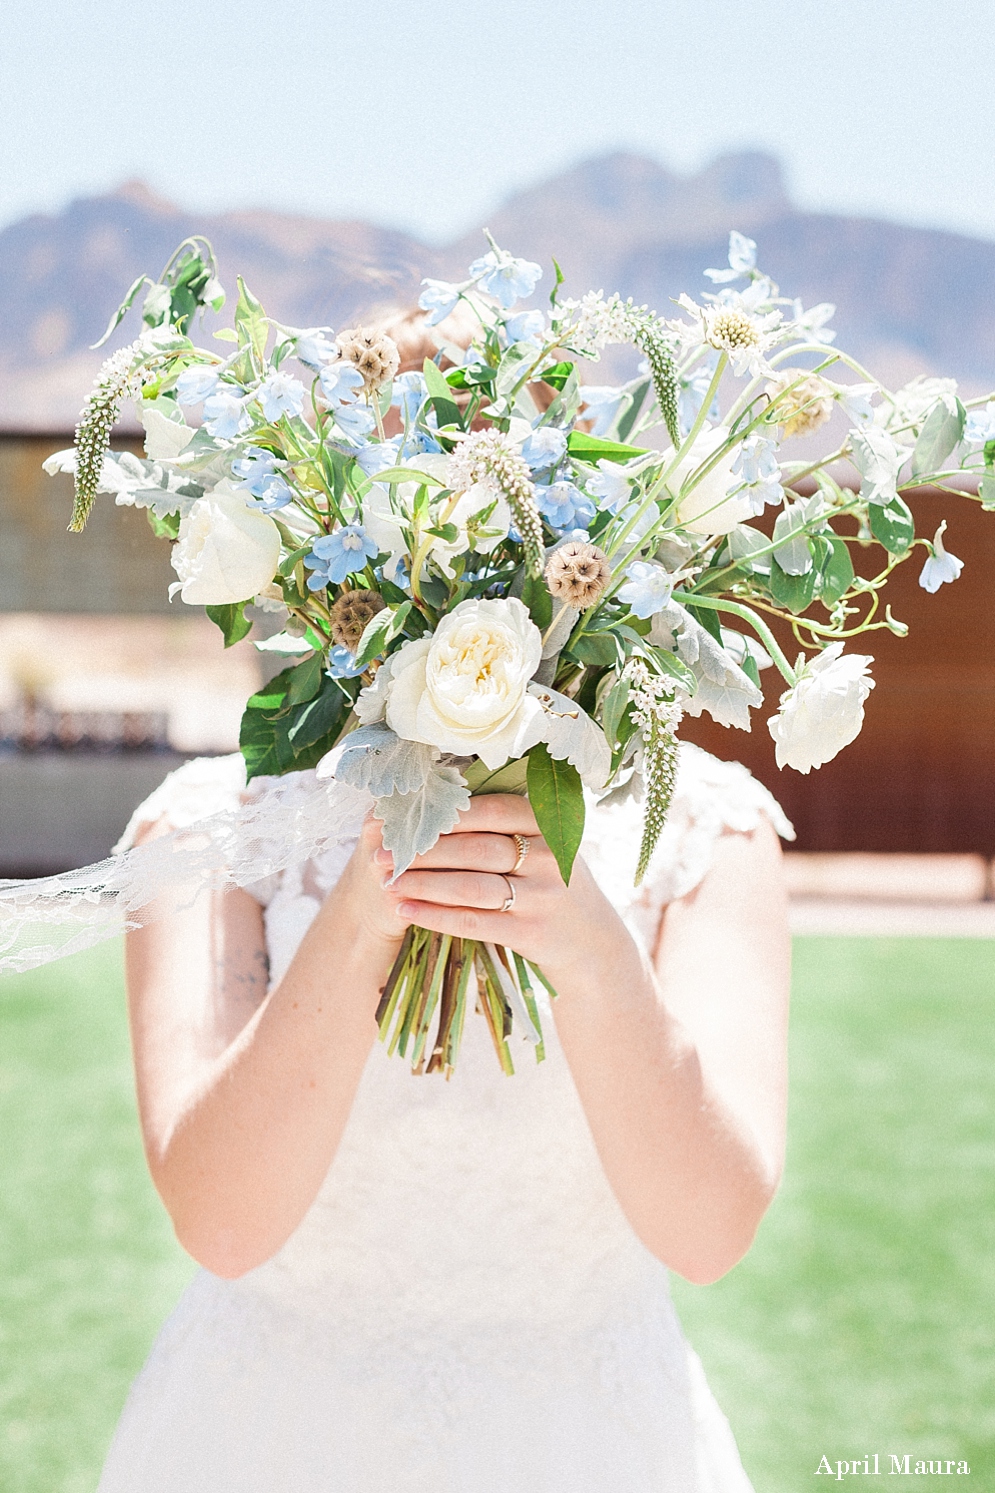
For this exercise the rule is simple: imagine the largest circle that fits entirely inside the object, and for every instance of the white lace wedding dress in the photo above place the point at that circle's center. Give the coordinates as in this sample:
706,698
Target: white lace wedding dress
465,1308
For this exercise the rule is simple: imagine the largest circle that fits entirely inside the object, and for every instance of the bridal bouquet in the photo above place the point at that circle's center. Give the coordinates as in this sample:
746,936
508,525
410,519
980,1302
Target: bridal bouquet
524,585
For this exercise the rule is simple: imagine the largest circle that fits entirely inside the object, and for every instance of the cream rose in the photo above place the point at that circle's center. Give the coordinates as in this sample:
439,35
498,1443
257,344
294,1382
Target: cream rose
707,509
465,689
226,551
824,711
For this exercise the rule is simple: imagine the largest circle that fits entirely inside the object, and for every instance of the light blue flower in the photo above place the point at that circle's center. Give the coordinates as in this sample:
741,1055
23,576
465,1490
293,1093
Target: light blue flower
341,382
196,384
612,486
252,467
378,456
545,448
409,393
354,421
647,590
564,506
693,391
273,493
342,664
742,260
601,405
438,299
225,415
334,556
315,347
505,278
527,326
941,566
281,394
980,426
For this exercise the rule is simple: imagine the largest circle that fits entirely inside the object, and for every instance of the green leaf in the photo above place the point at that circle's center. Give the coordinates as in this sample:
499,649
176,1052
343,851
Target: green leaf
119,314
557,798
440,395
258,734
942,430
511,778
560,277
558,375
167,527
628,417
232,621
317,720
592,448
613,709
226,334
892,525
250,321
535,594
594,648
305,680
668,663
795,592
751,669
379,631
837,573
448,532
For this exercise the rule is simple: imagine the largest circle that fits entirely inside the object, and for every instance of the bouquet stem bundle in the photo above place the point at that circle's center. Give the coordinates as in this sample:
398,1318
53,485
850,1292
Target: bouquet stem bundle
431,981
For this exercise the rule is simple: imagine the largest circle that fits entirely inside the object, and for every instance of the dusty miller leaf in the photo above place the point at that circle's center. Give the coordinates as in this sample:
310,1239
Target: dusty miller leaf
412,822
376,758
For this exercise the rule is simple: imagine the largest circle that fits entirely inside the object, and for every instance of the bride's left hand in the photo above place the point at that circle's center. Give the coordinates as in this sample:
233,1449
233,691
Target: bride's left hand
460,886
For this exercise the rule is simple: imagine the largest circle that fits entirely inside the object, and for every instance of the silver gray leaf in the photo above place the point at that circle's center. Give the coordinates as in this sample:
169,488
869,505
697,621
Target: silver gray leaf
412,822
375,758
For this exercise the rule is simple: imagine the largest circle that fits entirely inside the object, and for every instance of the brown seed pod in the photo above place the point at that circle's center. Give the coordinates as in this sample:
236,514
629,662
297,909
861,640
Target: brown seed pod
373,353
578,573
350,615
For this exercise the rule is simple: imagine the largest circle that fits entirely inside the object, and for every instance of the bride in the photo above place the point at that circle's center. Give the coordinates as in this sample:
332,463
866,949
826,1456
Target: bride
414,1285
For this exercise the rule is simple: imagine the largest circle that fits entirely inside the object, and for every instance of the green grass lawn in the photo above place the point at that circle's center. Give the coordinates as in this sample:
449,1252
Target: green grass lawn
861,1321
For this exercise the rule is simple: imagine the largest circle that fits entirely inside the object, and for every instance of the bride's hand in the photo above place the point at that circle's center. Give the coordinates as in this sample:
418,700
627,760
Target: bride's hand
463,884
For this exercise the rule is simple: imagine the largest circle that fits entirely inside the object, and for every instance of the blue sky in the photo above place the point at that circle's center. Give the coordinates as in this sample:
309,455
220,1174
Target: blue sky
424,115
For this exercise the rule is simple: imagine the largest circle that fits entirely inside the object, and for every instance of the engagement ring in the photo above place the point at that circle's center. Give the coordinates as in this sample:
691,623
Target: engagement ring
523,846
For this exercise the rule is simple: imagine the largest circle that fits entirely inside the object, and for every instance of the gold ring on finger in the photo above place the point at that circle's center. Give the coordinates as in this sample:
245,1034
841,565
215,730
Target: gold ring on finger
523,845
509,901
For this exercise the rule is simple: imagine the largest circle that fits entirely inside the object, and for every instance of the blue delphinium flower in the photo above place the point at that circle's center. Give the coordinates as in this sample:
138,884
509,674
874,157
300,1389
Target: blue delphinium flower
342,664
527,326
379,455
505,278
409,393
334,556
438,299
225,415
564,506
257,474
355,421
647,589
196,384
980,424
281,394
341,382
275,493
545,448
315,347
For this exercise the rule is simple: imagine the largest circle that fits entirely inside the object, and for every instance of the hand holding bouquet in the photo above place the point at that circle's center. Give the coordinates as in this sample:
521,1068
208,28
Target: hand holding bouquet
525,585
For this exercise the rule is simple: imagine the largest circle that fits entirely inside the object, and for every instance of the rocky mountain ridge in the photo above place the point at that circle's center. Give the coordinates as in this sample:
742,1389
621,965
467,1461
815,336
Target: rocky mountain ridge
909,300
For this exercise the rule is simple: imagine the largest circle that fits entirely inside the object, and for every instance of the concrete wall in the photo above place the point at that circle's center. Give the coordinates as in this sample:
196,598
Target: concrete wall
59,810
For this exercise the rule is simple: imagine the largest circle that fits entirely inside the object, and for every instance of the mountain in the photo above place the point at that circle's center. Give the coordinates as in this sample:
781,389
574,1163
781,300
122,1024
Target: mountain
910,300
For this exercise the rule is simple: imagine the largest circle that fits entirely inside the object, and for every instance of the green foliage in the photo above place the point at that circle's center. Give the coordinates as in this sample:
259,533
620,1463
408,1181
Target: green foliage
557,798
231,619
251,324
167,527
892,525
440,396
941,434
289,724
535,595
593,449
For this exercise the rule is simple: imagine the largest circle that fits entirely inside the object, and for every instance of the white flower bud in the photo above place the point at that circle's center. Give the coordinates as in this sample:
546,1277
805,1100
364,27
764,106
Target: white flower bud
823,712
226,551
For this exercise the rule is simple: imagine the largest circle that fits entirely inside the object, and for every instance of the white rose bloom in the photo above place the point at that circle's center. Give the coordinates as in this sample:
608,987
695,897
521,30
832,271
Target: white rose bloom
465,689
823,712
475,500
226,551
707,509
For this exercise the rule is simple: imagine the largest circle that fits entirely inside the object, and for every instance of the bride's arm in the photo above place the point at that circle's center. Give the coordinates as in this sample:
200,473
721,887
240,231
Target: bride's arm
243,1097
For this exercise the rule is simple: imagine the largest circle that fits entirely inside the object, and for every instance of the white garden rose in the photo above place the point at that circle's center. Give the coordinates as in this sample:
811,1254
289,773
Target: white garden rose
707,509
226,551
824,711
465,689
